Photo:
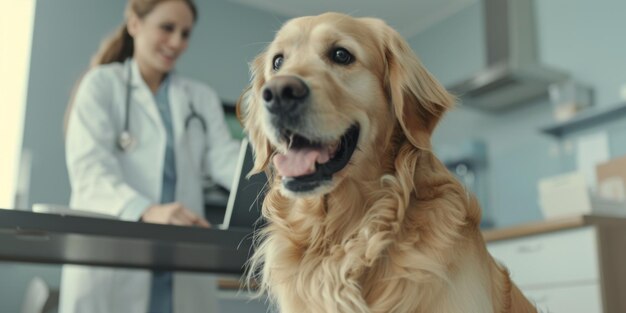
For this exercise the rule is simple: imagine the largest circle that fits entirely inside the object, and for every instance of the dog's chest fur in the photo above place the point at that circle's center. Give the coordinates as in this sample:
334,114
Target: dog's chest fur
339,280
370,266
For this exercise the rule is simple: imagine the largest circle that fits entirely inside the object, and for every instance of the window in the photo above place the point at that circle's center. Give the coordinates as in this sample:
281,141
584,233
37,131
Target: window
16,32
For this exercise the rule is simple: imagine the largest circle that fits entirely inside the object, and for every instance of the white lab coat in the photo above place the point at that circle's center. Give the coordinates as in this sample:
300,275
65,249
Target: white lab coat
107,180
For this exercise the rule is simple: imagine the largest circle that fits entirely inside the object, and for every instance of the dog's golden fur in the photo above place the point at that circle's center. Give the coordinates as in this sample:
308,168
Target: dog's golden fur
395,231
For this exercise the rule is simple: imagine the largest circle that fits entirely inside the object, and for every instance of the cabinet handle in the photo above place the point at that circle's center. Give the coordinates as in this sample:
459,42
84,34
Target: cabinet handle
31,234
530,248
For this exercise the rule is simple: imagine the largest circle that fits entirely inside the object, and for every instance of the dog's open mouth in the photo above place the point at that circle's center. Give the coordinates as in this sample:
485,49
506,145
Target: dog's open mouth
308,163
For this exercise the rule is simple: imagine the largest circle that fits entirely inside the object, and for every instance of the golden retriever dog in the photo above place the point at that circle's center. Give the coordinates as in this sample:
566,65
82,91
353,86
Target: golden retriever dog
361,216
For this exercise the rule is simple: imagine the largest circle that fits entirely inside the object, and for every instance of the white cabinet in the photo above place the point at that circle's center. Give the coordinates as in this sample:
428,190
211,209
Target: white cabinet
567,299
564,257
572,266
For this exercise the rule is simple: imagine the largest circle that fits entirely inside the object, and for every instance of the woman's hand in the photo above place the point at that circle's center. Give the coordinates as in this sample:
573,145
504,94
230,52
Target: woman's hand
174,214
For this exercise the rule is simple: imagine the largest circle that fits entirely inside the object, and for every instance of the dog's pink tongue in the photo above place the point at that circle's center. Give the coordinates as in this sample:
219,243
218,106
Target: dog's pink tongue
300,162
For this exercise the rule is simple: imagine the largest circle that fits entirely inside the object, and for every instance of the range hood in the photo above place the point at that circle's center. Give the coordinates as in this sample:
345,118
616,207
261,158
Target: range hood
513,74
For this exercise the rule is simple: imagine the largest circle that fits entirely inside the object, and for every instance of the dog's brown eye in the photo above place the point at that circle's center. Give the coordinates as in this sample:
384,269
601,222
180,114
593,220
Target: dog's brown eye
278,62
341,56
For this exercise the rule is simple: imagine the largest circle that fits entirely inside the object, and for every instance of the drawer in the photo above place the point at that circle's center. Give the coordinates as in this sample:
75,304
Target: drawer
567,299
556,257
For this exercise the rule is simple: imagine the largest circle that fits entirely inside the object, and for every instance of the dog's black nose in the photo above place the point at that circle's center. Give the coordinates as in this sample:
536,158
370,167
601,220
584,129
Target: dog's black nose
284,94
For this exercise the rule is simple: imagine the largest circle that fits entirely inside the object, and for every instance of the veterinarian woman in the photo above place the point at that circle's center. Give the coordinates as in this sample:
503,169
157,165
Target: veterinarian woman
139,138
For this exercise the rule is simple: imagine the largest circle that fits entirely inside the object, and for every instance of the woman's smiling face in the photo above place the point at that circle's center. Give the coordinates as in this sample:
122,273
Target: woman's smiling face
161,36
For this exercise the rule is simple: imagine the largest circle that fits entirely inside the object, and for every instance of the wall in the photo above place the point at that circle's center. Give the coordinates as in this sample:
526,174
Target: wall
578,36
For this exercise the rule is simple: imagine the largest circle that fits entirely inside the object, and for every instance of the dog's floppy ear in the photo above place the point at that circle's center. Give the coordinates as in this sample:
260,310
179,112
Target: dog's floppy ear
249,116
419,101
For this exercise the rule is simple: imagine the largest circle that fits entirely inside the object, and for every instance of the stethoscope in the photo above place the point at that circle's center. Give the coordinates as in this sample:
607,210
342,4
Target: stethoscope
125,141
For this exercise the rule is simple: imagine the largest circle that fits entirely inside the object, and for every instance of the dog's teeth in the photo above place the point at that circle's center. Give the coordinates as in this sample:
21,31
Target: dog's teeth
290,143
333,147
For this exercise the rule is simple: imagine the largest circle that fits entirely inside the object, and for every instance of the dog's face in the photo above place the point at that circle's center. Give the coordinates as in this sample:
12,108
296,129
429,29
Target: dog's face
328,92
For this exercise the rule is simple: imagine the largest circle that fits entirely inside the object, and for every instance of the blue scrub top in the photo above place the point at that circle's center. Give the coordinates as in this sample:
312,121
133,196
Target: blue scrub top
161,295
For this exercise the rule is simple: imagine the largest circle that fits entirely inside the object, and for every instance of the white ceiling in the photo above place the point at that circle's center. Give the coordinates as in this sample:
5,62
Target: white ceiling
409,17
